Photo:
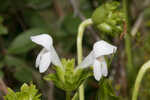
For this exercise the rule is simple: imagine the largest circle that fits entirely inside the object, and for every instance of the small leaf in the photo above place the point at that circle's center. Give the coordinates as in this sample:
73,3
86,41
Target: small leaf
27,92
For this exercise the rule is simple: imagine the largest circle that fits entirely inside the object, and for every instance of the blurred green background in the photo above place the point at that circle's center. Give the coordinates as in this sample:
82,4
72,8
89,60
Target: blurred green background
19,19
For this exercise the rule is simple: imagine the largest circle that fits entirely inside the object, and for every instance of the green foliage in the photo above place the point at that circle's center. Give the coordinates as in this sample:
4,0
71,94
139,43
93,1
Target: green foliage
23,73
22,43
27,92
3,29
39,4
105,91
109,18
68,78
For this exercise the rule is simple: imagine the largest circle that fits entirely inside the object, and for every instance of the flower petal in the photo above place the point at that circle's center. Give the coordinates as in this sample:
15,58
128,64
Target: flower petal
87,62
102,48
39,58
97,70
44,40
45,62
104,68
55,58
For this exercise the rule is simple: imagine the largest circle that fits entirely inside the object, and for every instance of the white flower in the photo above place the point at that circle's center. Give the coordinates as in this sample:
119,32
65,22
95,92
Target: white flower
96,58
47,54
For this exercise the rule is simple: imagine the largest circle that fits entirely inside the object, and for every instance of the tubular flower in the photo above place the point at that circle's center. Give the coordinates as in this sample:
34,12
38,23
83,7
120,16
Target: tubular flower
48,54
97,60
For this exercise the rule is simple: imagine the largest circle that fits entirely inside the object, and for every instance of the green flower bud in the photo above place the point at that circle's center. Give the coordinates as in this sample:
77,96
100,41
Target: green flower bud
109,18
105,27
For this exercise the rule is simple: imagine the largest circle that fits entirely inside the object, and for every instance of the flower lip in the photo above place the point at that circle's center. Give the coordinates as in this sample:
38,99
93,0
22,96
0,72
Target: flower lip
44,40
102,48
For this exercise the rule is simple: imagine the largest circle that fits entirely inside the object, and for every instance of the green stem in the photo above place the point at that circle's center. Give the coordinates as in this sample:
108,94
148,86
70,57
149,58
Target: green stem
127,37
75,96
81,29
140,75
68,95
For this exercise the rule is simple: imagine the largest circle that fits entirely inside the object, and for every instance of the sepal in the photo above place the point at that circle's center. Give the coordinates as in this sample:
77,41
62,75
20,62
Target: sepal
68,78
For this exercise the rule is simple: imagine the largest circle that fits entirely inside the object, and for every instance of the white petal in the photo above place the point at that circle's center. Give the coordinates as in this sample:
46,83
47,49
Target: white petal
101,48
45,62
44,40
55,59
39,57
104,68
88,61
97,70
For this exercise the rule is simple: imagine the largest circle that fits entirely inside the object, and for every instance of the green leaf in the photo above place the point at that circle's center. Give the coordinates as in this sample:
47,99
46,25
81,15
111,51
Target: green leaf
22,42
3,30
109,18
11,95
68,26
105,91
26,93
33,19
1,74
68,78
13,61
60,73
23,74
69,70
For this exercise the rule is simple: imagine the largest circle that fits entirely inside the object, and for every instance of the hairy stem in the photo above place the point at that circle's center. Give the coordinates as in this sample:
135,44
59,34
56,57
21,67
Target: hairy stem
81,29
140,75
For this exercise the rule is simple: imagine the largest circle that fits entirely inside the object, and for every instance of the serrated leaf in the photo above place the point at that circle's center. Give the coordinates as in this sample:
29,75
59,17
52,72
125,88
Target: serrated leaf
60,73
27,92
69,71
68,78
22,42
55,80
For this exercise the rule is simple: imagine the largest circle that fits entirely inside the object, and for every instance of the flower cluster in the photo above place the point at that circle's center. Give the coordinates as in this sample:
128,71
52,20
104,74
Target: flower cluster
95,58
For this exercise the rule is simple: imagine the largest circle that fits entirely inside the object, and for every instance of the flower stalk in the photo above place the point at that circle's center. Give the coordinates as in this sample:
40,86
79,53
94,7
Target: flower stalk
68,95
140,75
81,29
